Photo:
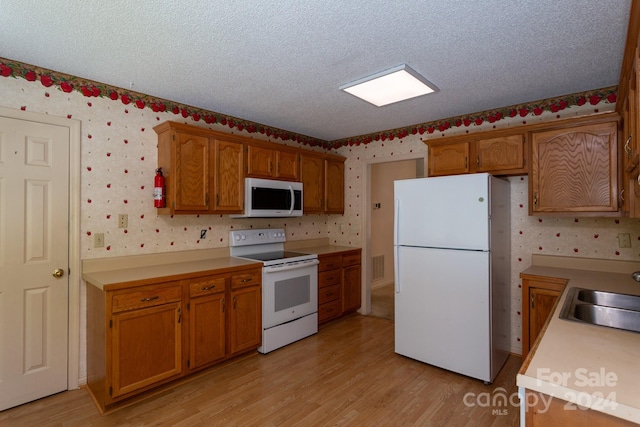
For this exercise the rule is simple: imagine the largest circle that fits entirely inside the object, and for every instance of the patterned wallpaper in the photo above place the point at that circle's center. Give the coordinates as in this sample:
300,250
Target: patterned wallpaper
119,158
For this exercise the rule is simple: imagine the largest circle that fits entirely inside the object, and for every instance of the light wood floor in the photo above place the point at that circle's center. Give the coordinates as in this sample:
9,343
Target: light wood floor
347,374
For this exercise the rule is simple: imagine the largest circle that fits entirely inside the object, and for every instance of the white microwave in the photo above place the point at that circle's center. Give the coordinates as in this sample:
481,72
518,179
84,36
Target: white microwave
269,198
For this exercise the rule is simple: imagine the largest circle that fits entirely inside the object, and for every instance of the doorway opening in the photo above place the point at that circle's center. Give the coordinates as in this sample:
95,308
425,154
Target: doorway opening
378,258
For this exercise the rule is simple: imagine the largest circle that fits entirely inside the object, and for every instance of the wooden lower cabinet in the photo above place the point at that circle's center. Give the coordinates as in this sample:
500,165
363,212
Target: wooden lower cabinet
145,347
207,323
339,284
143,335
245,331
539,298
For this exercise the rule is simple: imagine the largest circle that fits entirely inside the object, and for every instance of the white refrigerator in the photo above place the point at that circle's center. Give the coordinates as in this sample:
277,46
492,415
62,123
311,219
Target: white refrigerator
452,272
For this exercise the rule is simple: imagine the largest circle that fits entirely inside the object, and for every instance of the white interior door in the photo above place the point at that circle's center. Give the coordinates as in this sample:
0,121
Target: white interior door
34,243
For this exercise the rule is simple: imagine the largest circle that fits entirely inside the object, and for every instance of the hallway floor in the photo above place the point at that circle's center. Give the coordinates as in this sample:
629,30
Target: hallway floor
382,302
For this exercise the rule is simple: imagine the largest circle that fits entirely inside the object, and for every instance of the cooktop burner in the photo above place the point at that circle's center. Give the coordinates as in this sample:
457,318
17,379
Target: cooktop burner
271,256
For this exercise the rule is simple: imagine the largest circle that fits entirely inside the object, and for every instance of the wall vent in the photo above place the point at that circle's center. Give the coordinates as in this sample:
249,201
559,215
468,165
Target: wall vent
378,267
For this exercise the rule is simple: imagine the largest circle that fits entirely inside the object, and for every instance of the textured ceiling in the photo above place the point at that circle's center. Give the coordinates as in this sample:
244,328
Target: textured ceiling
280,62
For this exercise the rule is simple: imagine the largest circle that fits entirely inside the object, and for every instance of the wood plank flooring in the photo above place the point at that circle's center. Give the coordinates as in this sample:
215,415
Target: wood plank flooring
346,375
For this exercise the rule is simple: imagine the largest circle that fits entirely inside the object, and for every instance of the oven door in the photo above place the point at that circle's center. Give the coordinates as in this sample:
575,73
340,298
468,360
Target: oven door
289,292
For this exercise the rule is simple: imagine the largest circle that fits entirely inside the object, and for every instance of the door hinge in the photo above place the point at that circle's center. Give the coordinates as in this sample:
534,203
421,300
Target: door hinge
110,323
188,306
110,391
533,300
188,363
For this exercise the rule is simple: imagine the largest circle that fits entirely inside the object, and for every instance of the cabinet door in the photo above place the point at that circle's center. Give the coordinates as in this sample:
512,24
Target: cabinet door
228,177
245,329
541,303
351,288
500,154
575,169
539,295
334,187
206,330
312,178
145,347
450,159
287,166
190,189
259,162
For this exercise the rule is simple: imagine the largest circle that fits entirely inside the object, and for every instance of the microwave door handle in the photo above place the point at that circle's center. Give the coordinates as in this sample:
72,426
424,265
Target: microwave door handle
293,199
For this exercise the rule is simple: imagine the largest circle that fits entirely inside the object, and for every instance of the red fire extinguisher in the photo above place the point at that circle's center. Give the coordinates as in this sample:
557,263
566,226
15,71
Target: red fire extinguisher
159,193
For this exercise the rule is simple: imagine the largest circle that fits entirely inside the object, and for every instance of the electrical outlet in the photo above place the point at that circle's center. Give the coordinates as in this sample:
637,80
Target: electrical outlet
624,240
123,220
98,240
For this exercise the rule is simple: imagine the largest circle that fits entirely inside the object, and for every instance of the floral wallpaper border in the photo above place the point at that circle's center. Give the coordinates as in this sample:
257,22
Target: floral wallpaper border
470,122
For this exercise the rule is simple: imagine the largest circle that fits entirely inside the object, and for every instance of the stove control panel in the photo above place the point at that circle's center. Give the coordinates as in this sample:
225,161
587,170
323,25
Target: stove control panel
258,236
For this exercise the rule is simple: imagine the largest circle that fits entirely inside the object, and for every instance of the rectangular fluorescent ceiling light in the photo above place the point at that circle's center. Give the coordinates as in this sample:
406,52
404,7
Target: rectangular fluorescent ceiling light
393,85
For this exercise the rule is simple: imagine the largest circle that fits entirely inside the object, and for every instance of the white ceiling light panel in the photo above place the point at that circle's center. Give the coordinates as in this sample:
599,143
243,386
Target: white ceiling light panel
389,86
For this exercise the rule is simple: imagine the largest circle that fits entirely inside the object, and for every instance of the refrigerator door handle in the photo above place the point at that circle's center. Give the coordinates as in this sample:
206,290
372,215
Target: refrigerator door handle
396,212
396,270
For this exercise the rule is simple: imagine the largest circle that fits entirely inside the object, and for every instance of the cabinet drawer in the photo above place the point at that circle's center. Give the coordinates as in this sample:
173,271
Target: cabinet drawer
351,259
328,294
329,278
330,263
146,296
206,286
246,279
329,310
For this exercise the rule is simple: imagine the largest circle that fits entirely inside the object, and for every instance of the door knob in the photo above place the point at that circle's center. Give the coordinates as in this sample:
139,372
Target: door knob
58,272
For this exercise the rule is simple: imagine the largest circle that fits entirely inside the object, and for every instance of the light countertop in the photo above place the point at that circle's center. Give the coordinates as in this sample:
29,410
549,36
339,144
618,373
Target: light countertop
590,365
119,271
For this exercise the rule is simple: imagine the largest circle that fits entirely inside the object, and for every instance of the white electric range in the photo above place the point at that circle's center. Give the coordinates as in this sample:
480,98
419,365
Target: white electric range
289,285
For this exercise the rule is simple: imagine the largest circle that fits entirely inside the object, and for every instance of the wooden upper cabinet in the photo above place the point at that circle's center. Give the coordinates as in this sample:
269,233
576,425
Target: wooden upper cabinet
205,171
264,162
574,169
190,191
287,165
228,177
260,161
334,186
312,178
500,154
449,159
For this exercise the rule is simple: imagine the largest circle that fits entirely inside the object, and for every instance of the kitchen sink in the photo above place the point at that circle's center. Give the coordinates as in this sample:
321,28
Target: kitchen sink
610,309
609,299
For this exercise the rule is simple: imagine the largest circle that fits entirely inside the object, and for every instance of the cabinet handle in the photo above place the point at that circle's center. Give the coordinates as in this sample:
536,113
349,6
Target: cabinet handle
466,162
627,147
153,298
622,195
535,198
533,300
234,302
245,280
207,288
179,315
206,199
478,160
223,305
